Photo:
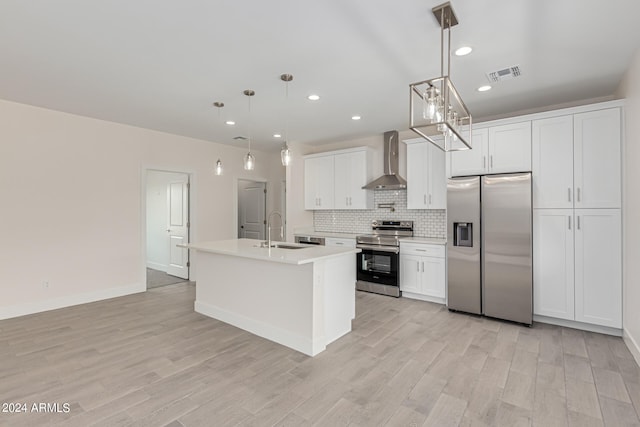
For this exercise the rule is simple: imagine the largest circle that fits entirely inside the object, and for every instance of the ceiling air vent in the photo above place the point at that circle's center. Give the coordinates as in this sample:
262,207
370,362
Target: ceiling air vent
504,74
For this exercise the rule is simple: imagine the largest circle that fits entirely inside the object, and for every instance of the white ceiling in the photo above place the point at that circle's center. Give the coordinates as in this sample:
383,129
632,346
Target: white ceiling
160,64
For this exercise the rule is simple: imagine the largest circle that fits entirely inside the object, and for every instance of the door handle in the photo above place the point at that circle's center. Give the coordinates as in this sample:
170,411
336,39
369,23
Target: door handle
422,266
569,192
424,197
429,198
569,222
242,226
578,195
168,230
491,160
484,162
578,224
418,267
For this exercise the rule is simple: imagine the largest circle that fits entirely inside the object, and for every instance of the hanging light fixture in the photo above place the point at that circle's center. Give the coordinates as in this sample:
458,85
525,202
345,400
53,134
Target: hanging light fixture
285,153
249,160
437,111
218,169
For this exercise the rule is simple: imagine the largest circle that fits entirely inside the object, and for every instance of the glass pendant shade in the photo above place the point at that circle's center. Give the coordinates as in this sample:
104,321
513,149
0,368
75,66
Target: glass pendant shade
249,162
218,167
285,155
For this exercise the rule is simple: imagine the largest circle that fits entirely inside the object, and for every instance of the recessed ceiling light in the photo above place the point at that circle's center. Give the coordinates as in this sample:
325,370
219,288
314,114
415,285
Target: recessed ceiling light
313,97
230,122
277,135
464,50
355,117
484,88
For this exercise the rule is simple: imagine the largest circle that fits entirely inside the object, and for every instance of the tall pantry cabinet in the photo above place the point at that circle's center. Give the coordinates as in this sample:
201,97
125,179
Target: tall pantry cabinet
576,163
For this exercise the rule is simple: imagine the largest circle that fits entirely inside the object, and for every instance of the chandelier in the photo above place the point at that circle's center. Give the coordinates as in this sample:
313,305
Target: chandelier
437,112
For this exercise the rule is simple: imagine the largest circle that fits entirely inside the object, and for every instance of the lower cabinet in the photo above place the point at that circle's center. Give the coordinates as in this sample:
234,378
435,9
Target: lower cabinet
423,271
577,265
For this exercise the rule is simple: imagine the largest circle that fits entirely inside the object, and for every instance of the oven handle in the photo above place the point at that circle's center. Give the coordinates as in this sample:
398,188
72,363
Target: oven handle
391,249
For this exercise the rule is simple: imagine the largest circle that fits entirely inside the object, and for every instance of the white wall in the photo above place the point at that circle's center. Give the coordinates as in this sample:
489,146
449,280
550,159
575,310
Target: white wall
158,218
73,203
630,89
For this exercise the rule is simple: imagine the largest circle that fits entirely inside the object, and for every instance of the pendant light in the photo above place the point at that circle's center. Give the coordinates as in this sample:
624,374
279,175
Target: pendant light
249,160
437,112
285,153
218,169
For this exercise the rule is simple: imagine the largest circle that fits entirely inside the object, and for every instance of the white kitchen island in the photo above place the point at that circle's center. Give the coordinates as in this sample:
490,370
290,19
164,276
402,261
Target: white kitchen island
301,298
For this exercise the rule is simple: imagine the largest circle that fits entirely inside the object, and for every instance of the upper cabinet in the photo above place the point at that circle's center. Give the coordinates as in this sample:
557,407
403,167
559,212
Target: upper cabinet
496,149
576,160
334,180
318,182
426,176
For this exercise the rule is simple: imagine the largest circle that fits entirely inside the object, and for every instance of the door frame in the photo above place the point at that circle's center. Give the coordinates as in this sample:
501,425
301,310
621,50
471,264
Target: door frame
144,170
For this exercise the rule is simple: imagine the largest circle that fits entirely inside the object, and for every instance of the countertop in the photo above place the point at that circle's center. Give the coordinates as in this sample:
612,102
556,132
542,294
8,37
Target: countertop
249,248
312,233
429,240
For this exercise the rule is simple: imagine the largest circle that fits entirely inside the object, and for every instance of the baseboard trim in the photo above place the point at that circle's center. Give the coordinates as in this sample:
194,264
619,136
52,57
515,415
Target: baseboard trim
422,297
578,325
68,301
632,344
157,266
310,347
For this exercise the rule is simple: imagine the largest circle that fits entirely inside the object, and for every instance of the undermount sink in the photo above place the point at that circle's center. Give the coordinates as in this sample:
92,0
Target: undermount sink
280,246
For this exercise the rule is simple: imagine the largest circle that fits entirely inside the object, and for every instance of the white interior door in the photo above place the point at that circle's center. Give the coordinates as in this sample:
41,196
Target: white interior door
252,198
178,226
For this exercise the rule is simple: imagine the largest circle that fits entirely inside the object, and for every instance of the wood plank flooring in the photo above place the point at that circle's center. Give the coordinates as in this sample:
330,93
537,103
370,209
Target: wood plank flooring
150,360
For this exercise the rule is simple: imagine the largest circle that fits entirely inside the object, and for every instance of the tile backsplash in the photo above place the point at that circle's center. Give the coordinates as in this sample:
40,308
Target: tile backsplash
426,223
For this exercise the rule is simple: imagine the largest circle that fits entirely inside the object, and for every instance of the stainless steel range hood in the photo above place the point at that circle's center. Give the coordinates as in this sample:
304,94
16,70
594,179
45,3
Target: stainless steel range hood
391,180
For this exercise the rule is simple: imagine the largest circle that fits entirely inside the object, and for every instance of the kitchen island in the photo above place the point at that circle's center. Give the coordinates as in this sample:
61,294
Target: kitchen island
299,296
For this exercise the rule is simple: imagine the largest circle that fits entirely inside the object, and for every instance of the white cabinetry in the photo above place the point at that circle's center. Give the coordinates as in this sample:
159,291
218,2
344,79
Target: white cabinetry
426,176
553,261
334,180
576,160
351,174
423,271
318,182
496,149
587,242
340,242
598,267
577,227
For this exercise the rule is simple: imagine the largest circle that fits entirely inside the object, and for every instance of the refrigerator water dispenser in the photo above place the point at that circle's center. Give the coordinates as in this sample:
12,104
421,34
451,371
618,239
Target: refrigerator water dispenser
463,234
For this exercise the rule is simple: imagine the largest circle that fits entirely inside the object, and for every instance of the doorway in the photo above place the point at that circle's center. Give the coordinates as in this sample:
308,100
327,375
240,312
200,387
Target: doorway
167,218
252,204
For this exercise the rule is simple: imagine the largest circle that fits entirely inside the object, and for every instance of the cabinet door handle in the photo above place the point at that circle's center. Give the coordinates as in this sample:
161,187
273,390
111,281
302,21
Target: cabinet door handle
421,250
424,197
484,162
578,224
491,159
418,267
429,198
578,195
569,192
350,202
422,266
569,222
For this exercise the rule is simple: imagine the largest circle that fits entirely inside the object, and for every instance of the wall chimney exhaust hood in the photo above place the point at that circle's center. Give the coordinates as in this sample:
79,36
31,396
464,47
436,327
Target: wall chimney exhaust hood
391,180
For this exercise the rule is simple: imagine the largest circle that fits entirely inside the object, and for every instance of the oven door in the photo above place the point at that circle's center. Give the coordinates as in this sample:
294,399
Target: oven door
378,264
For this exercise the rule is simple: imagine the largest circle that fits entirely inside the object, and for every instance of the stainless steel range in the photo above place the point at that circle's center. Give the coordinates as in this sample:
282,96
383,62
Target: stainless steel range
377,265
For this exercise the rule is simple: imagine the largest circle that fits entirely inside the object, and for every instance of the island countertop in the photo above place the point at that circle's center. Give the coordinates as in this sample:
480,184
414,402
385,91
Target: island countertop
250,248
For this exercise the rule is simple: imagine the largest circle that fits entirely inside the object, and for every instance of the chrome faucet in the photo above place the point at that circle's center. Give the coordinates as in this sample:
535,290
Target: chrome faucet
269,227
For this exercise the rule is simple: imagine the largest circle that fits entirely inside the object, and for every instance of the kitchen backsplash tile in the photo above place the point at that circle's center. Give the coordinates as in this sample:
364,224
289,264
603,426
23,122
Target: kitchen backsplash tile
426,223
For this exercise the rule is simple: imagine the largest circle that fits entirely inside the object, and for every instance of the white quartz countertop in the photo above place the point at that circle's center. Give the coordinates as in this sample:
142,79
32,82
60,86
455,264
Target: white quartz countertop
327,234
428,240
249,248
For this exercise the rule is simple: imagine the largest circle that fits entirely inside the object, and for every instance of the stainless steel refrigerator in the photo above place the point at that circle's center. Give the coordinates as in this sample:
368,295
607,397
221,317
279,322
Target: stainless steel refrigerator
489,246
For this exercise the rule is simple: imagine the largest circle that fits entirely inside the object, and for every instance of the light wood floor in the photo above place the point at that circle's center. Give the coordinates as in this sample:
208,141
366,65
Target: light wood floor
150,360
